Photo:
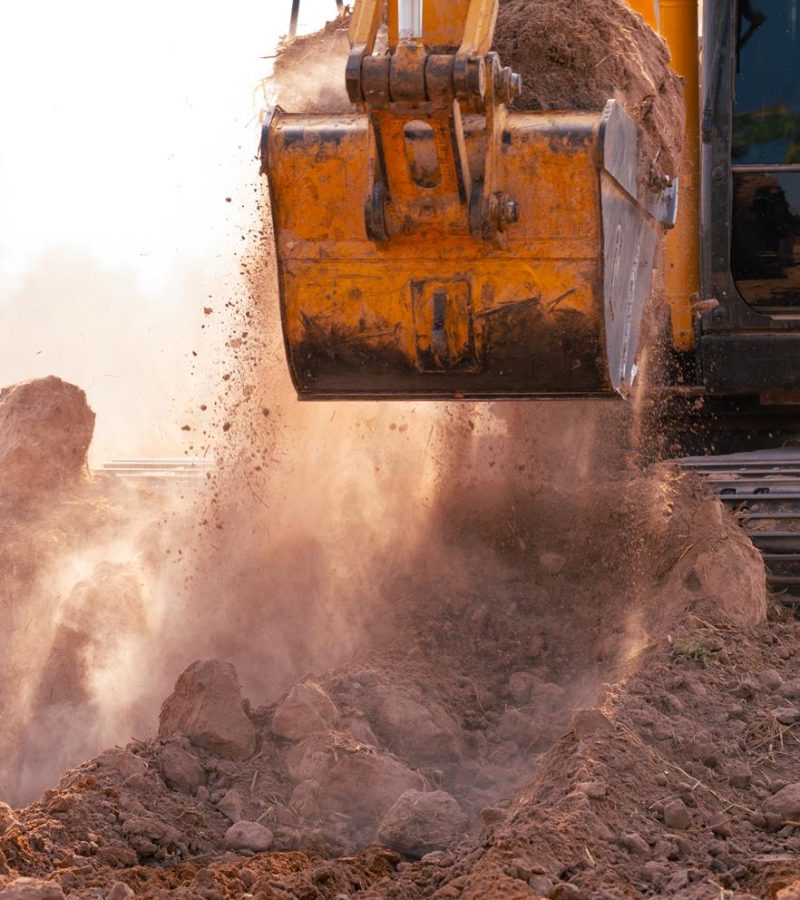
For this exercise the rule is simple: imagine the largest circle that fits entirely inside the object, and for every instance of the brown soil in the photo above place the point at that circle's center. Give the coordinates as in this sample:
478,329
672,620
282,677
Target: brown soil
613,719
570,654
577,54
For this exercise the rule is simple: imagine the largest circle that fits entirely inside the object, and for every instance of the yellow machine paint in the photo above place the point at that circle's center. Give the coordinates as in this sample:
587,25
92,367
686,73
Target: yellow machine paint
436,244
676,21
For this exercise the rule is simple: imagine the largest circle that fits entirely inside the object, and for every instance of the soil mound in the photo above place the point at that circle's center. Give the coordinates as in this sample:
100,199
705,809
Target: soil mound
576,54
46,427
635,750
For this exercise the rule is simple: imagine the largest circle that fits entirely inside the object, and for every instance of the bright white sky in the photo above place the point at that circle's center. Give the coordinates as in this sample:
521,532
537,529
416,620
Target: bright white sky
125,125
124,128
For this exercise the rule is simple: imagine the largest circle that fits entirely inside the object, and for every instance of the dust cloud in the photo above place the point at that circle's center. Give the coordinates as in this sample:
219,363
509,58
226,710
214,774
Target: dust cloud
308,71
322,531
320,513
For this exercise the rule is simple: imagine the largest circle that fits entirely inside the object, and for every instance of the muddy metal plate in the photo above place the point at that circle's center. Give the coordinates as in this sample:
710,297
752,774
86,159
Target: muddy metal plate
555,312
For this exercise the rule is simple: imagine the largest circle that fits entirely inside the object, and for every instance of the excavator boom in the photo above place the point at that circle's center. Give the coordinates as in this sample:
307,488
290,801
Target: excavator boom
436,244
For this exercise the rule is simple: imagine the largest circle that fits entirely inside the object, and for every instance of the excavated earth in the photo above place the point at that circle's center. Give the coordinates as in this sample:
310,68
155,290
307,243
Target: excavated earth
588,695
577,54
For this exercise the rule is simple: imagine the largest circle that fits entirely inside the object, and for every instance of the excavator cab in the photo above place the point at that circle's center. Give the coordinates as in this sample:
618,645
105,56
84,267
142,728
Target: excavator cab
435,243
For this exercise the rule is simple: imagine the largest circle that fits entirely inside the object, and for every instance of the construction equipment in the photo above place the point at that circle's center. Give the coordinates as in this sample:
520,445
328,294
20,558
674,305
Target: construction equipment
762,489
436,244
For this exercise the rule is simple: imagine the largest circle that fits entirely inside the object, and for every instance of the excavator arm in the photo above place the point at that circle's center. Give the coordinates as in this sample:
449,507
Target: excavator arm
435,244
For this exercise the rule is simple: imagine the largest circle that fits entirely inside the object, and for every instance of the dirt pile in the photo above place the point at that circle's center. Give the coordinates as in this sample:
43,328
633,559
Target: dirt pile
577,54
683,784
46,427
571,54
645,749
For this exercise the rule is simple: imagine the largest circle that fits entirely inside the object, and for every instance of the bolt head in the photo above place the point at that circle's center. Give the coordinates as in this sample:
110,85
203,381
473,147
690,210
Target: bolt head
510,211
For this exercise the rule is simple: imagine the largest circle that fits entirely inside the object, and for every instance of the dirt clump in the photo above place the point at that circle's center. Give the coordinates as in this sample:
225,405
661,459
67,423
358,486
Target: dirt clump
206,706
46,427
307,708
722,563
422,822
577,54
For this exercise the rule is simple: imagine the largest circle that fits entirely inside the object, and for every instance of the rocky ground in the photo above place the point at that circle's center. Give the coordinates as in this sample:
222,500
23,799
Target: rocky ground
592,698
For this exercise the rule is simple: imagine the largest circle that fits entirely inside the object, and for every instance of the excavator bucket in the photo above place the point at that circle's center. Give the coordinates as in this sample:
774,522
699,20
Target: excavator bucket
439,246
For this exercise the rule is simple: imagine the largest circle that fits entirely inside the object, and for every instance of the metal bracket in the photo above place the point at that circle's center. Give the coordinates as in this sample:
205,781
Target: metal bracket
411,84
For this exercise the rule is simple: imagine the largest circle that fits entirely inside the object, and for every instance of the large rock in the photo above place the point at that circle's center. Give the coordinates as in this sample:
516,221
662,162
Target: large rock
304,799
785,803
418,823
363,785
32,889
231,805
206,706
422,734
181,769
248,836
721,565
314,757
124,762
306,708
352,779
46,427
100,613
590,724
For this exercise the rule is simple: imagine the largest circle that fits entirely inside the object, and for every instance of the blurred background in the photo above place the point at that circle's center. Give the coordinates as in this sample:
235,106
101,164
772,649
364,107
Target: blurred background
128,190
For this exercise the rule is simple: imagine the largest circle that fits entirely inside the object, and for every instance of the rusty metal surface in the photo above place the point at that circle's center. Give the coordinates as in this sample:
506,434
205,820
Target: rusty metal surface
437,312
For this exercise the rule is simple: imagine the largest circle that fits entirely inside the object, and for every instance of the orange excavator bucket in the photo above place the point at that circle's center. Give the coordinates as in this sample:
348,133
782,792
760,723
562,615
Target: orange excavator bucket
434,244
